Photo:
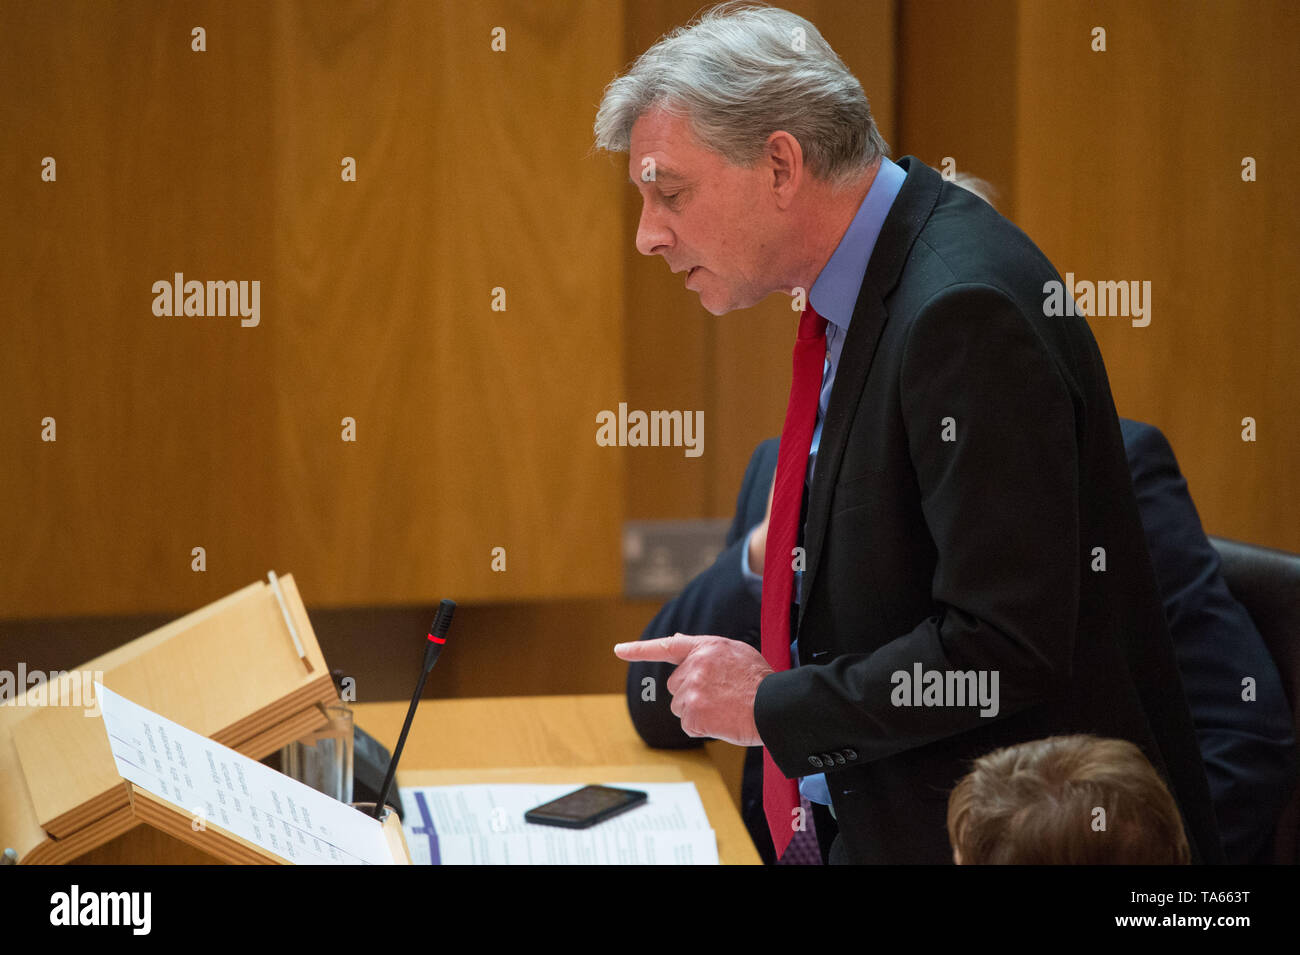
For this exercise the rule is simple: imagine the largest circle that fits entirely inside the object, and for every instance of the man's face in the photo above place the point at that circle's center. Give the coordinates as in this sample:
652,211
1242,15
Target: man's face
705,216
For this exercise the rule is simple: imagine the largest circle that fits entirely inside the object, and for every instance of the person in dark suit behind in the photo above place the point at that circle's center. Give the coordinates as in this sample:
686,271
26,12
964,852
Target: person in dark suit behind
969,511
1248,748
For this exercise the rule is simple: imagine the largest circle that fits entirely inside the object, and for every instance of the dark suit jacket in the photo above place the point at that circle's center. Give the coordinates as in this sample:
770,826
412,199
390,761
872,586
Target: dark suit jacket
981,553
1249,748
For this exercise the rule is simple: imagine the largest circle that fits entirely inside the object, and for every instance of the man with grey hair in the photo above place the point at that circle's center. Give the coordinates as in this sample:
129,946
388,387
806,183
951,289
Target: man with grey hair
951,506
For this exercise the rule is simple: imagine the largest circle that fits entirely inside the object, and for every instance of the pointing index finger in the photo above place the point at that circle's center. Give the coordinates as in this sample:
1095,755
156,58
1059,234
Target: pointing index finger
672,649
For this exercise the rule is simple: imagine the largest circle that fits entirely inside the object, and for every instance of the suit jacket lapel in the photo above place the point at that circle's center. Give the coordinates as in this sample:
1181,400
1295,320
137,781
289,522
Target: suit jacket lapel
911,209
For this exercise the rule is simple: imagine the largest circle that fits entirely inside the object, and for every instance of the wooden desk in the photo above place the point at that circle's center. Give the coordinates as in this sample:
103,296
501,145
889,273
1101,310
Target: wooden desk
578,739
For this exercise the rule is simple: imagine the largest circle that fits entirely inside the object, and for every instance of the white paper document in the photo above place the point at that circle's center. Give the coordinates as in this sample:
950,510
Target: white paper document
483,824
221,787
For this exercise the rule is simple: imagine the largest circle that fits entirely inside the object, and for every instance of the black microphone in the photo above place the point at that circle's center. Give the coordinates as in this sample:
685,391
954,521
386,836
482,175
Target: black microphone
437,640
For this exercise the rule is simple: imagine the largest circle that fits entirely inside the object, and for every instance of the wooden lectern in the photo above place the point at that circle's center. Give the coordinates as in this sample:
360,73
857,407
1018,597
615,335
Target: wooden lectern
245,671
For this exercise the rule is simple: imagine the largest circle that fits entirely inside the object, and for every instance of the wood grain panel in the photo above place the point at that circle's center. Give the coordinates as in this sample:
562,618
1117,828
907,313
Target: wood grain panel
161,169
1129,168
479,426
475,428
957,67
1126,165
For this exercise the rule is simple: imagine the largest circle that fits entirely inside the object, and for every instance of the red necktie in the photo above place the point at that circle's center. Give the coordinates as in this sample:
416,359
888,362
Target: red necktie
781,795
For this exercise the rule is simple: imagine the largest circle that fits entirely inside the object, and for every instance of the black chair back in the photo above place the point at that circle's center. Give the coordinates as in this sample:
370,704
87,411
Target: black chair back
1267,582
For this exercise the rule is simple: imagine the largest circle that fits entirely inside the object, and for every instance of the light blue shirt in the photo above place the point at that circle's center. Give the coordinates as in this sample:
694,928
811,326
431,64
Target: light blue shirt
834,296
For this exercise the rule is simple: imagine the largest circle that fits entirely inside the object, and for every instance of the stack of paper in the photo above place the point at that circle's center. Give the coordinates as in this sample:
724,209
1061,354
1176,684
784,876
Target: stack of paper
212,785
484,824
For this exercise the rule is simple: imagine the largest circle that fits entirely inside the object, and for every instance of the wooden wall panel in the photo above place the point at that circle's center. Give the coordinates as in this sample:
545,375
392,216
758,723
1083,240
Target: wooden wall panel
1129,168
475,428
957,67
1126,165
162,423
474,175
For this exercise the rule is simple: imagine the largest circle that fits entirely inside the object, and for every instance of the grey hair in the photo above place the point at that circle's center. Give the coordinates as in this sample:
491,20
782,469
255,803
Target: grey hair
738,74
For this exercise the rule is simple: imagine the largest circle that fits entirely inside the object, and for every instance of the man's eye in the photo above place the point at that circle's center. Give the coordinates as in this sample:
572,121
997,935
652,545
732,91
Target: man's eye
672,198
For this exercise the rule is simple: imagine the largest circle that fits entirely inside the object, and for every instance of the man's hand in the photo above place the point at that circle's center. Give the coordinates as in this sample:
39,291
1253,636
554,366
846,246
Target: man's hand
714,685
758,539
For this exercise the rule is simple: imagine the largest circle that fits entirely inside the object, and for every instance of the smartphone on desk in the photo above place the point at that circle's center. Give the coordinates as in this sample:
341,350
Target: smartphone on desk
585,807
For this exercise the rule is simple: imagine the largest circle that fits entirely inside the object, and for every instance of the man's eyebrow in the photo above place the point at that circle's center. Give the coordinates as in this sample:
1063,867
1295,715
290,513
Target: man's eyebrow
660,175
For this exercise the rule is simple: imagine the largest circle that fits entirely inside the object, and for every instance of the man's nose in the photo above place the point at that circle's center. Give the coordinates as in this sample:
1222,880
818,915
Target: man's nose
652,238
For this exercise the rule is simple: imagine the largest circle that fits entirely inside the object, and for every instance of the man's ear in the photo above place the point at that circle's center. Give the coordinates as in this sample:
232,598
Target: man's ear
956,856
783,161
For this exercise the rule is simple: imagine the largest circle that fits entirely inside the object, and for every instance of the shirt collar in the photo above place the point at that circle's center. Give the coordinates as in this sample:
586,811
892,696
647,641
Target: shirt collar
835,293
